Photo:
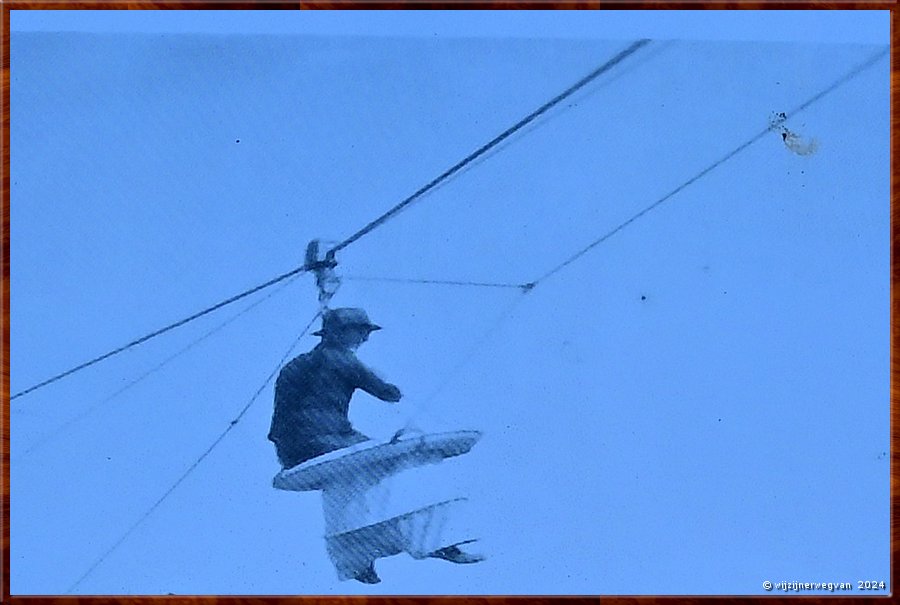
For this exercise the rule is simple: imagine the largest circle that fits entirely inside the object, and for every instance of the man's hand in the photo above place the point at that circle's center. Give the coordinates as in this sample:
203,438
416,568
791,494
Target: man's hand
393,394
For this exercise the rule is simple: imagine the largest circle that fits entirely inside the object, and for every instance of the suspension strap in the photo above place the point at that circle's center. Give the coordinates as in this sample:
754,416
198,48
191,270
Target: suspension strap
327,280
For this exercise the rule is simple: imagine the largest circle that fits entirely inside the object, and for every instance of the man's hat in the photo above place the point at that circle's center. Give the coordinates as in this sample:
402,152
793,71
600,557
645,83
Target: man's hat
336,320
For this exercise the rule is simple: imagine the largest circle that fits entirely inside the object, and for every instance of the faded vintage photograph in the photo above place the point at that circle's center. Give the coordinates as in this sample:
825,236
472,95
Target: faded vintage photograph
496,303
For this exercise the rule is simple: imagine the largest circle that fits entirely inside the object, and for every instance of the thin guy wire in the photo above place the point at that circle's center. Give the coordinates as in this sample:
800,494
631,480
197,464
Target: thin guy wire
49,436
439,282
368,228
466,358
527,287
196,463
488,146
359,234
374,224
843,80
835,85
161,331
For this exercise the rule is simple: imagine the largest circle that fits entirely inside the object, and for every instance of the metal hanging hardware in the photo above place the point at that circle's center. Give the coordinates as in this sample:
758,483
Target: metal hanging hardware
327,280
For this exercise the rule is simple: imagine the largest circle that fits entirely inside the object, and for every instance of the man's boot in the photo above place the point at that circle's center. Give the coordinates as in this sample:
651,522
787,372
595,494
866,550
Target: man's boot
367,575
456,555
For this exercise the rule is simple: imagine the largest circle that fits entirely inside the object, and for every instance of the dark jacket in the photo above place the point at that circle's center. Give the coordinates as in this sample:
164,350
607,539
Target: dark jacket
312,400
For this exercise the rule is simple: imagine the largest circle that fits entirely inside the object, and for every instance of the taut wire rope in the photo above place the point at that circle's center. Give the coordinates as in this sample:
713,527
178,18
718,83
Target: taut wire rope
525,287
621,56
618,58
47,438
197,462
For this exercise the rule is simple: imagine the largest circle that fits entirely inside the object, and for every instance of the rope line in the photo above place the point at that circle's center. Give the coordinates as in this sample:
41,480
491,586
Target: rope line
488,146
475,347
528,286
439,282
525,287
49,436
161,331
368,228
196,463
817,97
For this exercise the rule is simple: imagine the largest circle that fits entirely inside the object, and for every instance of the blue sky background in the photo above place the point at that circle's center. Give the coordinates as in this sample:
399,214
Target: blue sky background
696,406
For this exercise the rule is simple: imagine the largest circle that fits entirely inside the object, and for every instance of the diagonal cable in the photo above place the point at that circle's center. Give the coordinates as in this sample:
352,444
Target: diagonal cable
743,146
196,463
493,143
474,348
369,227
526,287
161,331
47,438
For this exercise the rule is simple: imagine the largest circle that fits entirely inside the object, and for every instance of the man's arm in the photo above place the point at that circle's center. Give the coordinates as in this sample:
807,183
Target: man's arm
375,386
363,378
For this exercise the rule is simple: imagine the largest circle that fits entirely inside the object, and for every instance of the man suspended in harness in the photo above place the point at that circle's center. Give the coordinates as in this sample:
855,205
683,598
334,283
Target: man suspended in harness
312,399
313,391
